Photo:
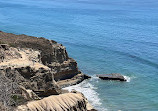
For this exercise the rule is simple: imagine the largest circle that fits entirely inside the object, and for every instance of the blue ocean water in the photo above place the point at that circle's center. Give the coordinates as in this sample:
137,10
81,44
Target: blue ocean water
104,36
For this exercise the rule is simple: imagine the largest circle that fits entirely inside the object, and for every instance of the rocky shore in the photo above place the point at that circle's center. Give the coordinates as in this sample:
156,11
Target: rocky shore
32,73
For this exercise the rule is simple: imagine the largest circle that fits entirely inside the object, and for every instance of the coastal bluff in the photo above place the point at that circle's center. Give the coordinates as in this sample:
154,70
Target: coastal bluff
39,68
51,54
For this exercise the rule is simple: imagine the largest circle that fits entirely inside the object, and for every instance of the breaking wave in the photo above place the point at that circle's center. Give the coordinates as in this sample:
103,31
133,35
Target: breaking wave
89,91
127,78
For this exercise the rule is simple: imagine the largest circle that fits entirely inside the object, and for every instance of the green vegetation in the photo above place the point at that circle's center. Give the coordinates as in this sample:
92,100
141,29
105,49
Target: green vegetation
1,42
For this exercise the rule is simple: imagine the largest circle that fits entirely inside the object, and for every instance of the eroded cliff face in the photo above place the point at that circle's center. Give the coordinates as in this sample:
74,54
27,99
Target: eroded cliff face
51,54
63,102
40,68
24,66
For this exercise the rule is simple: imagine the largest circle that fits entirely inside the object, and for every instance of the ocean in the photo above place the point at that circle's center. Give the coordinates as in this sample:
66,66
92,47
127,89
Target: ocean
103,36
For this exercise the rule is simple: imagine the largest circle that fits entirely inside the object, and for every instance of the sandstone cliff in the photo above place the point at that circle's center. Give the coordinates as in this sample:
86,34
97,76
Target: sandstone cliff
51,54
22,65
40,68
63,102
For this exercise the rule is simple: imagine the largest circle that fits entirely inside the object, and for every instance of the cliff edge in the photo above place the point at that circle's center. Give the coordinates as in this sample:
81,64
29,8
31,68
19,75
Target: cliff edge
33,68
51,54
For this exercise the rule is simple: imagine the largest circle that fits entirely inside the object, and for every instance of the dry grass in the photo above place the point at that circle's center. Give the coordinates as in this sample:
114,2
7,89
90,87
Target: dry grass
25,41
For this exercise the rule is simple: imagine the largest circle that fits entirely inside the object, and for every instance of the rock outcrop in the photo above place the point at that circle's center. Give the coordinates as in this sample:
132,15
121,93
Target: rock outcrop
51,54
23,66
40,68
113,76
63,102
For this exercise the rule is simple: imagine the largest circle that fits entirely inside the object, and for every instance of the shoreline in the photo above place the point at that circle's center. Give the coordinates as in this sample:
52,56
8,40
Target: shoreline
90,92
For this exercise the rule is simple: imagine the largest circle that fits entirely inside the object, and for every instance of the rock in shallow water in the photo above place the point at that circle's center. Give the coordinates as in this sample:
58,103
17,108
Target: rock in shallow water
113,76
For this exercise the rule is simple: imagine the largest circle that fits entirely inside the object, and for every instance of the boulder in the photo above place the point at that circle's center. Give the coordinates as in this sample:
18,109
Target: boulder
87,76
113,76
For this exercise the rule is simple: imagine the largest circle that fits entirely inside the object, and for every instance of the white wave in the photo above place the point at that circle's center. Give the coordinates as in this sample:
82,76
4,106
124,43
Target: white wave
94,78
127,78
89,91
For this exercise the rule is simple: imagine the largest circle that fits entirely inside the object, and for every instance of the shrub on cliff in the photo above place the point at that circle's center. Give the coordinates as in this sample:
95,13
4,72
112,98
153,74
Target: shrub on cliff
9,93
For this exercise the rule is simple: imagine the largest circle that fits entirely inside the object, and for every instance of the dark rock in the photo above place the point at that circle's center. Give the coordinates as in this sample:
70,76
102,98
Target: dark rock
4,46
93,110
86,76
113,76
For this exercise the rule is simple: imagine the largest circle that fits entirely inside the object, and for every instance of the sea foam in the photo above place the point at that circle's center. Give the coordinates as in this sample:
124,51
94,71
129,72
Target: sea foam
127,78
89,91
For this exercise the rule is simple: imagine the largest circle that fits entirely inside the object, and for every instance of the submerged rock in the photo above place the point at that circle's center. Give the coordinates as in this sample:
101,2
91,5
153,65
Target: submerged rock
113,76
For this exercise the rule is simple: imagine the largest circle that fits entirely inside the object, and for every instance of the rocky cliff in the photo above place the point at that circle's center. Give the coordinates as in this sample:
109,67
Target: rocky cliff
39,68
51,54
